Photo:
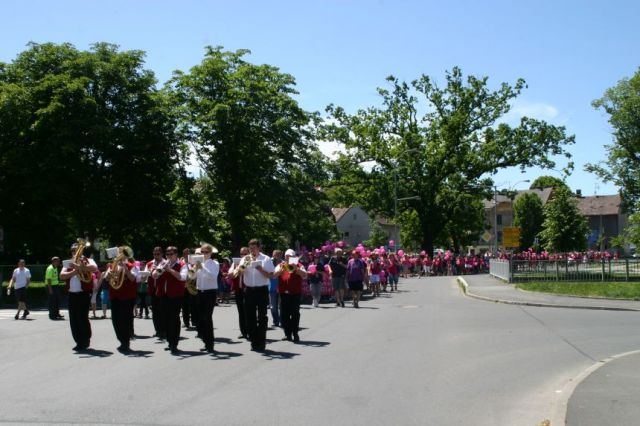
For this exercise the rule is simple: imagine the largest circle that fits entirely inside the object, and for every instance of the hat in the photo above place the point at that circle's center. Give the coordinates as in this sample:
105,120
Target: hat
289,252
338,250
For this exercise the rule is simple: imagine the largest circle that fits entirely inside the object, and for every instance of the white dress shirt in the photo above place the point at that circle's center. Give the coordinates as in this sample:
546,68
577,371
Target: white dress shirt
254,278
74,283
20,277
207,276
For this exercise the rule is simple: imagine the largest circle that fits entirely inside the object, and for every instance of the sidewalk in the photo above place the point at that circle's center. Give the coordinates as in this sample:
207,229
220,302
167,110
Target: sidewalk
486,287
606,393
609,395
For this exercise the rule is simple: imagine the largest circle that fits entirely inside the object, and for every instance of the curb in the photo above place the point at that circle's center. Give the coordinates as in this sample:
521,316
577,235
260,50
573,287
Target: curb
539,304
560,405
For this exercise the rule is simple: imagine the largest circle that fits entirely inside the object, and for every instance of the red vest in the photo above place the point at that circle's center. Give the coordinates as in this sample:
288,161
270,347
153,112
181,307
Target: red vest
152,283
173,287
128,290
290,283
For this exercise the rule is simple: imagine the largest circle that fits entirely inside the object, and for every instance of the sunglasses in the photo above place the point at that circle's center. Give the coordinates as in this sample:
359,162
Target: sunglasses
205,251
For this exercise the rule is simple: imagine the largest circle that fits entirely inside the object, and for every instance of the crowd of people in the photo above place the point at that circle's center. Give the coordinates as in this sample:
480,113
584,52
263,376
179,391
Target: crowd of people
175,291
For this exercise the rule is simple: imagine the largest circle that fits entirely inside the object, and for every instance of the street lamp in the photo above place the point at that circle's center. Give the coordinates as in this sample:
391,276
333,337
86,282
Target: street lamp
395,194
495,209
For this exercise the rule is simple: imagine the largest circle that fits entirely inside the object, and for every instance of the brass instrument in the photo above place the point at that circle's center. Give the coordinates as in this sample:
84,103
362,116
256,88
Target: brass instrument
118,272
160,268
192,274
246,262
83,274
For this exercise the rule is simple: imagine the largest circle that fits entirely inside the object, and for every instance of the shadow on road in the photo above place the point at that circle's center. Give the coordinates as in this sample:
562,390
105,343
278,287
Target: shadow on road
271,354
139,354
313,343
188,354
94,353
226,340
138,337
225,355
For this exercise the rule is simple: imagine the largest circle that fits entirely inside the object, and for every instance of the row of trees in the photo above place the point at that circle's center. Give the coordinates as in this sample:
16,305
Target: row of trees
91,144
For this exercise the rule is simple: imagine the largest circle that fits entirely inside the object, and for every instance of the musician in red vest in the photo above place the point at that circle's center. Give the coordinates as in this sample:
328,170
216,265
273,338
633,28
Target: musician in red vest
290,275
237,287
79,297
156,290
174,273
122,296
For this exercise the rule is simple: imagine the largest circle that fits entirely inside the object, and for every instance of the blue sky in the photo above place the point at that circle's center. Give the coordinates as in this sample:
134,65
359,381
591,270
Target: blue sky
569,52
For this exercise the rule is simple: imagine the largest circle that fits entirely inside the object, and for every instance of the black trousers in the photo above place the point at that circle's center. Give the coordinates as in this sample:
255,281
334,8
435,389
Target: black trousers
122,319
189,309
290,313
54,301
79,304
206,302
142,298
158,323
256,301
171,317
242,316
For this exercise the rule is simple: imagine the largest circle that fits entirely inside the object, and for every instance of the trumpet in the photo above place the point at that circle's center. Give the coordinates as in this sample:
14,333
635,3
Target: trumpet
159,270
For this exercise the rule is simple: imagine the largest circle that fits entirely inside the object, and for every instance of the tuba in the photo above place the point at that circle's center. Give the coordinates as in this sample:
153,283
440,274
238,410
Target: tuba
118,272
83,274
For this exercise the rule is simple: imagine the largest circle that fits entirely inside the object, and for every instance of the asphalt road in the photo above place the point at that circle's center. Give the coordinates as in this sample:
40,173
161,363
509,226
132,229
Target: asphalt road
425,356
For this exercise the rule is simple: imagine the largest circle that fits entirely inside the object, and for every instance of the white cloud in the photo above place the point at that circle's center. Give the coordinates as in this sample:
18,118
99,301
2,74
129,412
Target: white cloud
538,110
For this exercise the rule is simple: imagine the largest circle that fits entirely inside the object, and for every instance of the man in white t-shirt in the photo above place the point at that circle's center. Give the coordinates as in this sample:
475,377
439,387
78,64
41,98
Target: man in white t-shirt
20,280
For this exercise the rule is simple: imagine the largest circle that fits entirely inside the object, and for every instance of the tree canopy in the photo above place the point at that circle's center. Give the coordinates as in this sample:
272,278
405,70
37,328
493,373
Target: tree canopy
85,137
443,142
622,104
529,216
564,228
542,182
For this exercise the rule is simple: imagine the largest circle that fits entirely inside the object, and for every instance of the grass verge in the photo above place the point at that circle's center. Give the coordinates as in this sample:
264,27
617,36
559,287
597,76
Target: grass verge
610,290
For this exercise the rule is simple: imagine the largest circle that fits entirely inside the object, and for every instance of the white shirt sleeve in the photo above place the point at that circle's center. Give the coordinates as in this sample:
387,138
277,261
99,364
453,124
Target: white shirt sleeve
15,273
28,273
267,265
183,272
211,268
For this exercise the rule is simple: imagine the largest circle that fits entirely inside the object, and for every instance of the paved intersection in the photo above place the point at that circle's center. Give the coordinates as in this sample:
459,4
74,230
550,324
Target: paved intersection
425,356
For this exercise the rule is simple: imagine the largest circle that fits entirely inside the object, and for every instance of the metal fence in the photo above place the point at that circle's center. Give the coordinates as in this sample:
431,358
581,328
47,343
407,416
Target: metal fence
568,270
500,269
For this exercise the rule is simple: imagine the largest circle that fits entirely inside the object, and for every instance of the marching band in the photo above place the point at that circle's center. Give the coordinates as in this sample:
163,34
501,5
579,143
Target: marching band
169,280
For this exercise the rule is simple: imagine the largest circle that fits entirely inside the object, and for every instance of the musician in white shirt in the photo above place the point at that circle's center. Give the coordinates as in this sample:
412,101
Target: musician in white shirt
257,268
207,285
79,298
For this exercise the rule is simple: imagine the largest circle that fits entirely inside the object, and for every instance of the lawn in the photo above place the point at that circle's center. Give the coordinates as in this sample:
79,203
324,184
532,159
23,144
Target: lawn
611,290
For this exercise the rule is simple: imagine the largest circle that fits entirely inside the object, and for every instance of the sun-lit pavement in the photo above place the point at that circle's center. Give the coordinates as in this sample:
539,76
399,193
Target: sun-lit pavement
426,355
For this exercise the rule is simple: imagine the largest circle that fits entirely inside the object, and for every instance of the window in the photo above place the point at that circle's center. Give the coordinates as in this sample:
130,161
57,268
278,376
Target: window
499,219
346,234
355,216
499,236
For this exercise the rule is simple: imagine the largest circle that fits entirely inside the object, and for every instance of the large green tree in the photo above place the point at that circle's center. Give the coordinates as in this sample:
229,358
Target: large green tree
87,146
564,228
256,145
542,182
443,140
622,167
529,216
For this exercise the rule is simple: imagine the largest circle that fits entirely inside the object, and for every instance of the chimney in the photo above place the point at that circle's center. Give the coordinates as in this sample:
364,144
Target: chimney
579,193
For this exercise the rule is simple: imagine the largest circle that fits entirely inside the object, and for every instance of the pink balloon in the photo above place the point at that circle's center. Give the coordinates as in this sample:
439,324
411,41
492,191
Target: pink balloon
313,269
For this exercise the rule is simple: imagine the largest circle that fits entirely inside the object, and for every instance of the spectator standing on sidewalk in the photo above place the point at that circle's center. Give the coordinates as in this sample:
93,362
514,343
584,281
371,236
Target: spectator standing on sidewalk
20,280
54,285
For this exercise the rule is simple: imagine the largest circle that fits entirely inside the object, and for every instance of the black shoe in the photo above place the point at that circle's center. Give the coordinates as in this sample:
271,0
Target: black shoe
175,351
209,349
24,315
296,338
342,304
167,348
60,317
17,316
287,338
